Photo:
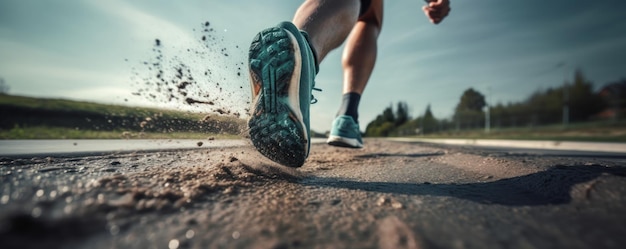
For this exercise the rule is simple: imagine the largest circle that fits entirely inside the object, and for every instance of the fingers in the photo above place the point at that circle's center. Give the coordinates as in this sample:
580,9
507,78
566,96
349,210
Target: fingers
436,11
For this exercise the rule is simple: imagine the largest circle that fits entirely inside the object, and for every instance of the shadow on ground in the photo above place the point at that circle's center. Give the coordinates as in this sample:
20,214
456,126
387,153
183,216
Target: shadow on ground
412,155
550,187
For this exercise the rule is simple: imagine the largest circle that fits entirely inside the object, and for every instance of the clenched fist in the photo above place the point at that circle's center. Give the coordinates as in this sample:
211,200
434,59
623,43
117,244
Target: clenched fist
436,10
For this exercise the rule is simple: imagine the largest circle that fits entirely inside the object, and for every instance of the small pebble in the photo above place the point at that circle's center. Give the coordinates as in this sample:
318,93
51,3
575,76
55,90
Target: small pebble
36,213
114,230
396,205
382,201
189,234
174,244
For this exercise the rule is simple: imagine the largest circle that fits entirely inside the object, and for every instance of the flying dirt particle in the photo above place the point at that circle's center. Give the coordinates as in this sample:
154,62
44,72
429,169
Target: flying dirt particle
190,101
170,79
233,159
200,143
211,138
183,85
206,118
220,111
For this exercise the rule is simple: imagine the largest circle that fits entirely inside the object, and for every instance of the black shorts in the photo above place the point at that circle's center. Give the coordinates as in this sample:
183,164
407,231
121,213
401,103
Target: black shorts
365,5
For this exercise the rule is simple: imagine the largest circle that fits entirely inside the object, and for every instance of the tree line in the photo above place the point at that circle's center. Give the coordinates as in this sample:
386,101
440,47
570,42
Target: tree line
575,101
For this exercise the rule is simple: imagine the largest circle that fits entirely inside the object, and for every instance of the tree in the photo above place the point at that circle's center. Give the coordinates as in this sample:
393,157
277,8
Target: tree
382,125
4,88
402,113
469,111
389,122
388,115
583,102
614,95
428,122
471,100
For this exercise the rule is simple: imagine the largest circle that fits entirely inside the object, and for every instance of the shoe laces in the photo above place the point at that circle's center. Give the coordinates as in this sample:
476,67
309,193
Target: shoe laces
313,99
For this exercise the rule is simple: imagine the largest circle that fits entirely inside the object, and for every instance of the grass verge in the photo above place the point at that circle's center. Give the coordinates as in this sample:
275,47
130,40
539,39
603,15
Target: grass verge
43,132
588,131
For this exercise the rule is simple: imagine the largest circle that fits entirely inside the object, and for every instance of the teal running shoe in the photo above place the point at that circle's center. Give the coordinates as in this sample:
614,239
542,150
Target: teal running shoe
345,133
282,72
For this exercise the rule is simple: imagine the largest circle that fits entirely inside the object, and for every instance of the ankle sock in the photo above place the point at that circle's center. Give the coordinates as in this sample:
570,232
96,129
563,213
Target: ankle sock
350,105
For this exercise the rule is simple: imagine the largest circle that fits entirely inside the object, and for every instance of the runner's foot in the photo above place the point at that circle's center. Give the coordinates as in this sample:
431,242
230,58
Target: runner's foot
345,133
282,69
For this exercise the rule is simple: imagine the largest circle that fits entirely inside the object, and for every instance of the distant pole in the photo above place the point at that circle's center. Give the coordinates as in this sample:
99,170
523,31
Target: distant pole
565,101
488,112
566,107
422,125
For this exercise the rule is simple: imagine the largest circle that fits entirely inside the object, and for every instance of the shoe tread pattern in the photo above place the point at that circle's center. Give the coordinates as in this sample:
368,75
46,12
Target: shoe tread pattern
273,129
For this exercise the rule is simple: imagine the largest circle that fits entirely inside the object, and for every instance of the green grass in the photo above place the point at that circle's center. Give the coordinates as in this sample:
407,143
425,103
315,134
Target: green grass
104,109
604,131
42,132
20,128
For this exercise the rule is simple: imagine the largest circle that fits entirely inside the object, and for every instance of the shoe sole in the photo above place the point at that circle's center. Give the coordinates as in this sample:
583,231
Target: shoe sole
344,142
276,127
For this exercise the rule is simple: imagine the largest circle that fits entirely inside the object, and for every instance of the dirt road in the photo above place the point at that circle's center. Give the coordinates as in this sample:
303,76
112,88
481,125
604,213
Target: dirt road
388,195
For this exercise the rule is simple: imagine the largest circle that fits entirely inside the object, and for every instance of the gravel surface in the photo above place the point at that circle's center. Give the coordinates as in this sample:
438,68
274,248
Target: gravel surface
387,195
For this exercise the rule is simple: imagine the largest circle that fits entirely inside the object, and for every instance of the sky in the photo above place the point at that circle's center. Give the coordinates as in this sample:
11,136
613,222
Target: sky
93,50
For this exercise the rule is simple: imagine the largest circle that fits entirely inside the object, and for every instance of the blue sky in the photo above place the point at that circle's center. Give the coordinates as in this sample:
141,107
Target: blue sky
88,50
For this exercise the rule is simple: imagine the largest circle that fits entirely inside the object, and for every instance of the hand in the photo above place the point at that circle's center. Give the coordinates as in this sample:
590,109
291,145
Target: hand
436,10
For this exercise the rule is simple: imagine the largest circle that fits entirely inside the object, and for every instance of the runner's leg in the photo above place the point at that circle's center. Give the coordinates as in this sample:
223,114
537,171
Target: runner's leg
328,22
359,57
358,62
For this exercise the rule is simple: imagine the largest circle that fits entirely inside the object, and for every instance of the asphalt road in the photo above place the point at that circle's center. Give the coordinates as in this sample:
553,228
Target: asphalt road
388,195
